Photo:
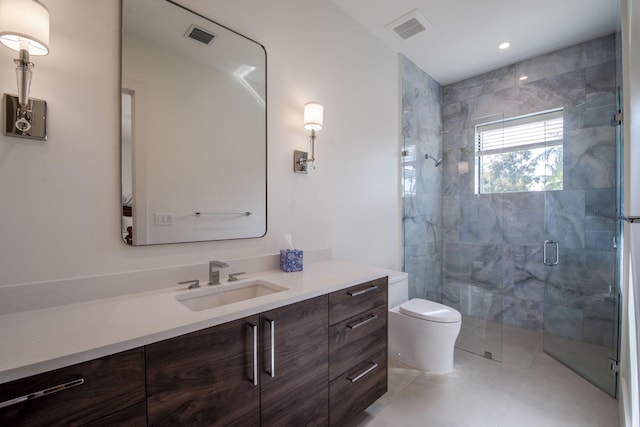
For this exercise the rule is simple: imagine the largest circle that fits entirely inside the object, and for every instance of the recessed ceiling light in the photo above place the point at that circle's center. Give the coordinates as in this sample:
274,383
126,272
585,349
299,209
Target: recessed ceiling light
504,45
524,77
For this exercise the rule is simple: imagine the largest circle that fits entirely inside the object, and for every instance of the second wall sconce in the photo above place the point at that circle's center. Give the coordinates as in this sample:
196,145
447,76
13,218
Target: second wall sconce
24,27
313,115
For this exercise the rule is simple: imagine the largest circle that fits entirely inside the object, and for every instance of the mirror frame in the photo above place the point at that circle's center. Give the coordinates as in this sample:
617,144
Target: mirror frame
128,240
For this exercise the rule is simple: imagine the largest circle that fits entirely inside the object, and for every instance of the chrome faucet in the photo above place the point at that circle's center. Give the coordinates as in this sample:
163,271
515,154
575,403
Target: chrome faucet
214,273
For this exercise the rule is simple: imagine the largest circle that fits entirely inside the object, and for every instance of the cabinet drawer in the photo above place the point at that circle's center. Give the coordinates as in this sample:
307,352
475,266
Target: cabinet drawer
354,391
136,416
348,302
93,390
359,335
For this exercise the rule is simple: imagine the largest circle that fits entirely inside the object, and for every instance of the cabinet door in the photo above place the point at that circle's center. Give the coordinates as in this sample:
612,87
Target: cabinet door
294,374
205,378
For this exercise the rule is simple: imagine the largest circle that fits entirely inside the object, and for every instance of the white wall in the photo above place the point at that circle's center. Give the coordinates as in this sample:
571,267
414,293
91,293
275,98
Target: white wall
59,199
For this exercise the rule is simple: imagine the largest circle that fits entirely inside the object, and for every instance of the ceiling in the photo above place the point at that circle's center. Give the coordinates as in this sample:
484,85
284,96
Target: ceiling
464,39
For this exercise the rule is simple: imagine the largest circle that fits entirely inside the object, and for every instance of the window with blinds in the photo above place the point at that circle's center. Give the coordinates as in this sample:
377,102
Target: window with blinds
520,154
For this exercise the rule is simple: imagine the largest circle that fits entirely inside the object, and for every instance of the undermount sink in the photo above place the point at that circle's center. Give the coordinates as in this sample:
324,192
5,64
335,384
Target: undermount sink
219,295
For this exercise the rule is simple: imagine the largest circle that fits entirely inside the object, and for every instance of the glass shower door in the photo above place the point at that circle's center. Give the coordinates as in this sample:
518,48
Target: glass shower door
580,258
580,319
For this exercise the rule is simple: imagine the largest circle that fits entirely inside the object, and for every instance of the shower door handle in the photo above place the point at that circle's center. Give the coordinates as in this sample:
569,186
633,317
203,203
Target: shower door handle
545,261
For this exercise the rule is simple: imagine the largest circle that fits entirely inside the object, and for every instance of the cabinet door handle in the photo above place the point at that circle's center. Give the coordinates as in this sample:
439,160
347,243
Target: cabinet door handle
42,393
254,328
373,366
363,322
272,331
364,291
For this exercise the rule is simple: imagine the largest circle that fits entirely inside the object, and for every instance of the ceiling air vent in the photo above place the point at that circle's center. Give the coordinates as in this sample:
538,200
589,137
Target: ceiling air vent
199,34
409,25
409,28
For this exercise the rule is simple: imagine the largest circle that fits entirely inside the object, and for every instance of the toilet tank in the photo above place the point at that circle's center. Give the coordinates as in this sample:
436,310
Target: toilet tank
398,288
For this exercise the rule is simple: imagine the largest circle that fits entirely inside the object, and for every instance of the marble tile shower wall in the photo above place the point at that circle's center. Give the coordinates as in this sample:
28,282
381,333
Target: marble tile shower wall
422,182
492,244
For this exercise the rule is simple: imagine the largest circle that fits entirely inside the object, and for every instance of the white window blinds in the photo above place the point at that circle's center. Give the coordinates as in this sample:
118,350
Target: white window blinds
522,133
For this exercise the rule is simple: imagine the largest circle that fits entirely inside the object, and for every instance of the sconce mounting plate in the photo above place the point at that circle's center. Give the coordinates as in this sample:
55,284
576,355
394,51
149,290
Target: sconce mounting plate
300,164
38,118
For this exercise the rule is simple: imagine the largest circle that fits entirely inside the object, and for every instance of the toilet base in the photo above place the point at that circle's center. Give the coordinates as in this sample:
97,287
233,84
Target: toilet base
422,344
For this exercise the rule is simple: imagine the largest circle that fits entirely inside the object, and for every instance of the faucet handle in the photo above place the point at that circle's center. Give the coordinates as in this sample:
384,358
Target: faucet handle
233,278
192,283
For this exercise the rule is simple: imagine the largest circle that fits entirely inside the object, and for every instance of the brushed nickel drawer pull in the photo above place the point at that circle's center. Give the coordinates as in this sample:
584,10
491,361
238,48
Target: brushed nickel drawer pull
272,329
373,366
363,322
364,291
42,393
255,353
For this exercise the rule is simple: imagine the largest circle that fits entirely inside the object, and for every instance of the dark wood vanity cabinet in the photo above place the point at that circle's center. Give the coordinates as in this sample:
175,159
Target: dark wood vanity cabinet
88,393
357,349
312,363
205,378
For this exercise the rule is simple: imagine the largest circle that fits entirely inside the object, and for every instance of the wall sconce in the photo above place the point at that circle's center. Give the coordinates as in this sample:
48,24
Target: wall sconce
313,113
24,27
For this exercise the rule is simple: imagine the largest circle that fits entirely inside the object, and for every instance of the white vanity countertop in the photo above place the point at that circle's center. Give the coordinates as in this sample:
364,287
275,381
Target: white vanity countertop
37,341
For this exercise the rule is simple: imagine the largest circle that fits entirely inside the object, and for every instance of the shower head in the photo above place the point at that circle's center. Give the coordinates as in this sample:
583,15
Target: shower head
438,162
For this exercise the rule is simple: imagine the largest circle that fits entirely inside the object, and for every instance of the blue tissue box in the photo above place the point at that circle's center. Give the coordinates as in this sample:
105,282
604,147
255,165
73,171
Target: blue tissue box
290,260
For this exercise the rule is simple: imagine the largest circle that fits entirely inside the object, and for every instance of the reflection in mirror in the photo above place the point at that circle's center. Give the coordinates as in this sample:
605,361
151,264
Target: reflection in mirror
193,128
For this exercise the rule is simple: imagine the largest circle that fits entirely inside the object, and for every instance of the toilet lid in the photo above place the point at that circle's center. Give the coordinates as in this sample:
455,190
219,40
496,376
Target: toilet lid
429,310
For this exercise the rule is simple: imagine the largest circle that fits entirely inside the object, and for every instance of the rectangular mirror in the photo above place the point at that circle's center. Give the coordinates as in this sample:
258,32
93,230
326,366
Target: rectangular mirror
194,144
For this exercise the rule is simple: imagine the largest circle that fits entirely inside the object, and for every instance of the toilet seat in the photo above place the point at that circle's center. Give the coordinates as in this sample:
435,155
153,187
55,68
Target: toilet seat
430,310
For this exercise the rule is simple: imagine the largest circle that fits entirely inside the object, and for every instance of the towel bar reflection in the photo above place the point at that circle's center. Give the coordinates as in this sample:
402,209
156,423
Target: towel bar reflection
199,213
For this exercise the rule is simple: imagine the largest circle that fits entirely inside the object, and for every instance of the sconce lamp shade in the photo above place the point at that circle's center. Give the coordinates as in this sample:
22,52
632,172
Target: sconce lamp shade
24,24
313,116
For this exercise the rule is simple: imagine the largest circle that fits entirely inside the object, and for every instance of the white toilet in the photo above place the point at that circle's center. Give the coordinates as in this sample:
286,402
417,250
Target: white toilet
422,333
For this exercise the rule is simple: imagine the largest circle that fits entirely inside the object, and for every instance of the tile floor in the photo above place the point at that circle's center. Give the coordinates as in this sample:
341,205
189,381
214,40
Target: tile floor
528,388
